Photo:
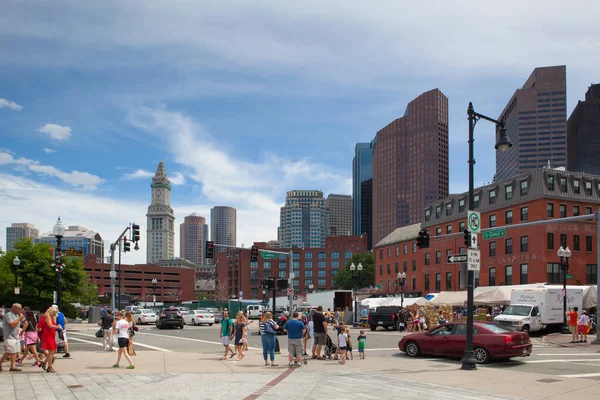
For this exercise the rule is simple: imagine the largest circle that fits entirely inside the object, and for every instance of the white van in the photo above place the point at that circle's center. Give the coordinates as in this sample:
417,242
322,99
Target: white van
255,310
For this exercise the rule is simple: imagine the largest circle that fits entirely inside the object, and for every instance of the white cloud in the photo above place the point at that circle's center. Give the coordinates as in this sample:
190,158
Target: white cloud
49,151
56,132
138,174
10,104
177,179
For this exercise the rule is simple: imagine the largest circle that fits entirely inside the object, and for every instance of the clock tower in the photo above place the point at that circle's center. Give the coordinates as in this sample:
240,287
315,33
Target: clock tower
160,231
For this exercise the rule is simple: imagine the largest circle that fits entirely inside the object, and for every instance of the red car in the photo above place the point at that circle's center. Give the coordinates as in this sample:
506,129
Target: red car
490,342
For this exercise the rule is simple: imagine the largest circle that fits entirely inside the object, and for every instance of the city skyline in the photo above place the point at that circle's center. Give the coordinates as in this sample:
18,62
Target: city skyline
82,132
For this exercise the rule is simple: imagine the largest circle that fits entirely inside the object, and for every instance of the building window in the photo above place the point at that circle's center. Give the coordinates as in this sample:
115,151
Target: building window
576,242
508,192
322,255
576,188
550,182
405,265
296,256
492,220
562,210
427,258
588,243
563,239
509,248
448,229
492,196
438,257
461,226
322,283
405,249
381,254
554,273
335,264
588,210
335,254
524,213
448,280
254,274
282,265
308,273
523,277
414,265
438,282
438,211
524,188
591,274
575,211
389,271
524,243
588,188
389,252
508,275
282,274
348,254
397,251
476,201
448,209
414,247
461,205
266,264
563,185
396,267
307,264
550,210
427,215
308,256
427,282
492,277
380,269
550,241
448,252
509,216
438,231
322,264
254,264
492,249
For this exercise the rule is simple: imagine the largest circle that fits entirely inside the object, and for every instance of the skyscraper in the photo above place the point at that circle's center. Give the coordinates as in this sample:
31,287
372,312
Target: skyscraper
362,172
535,120
583,134
410,164
223,227
191,238
160,228
18,231
339,207
304,219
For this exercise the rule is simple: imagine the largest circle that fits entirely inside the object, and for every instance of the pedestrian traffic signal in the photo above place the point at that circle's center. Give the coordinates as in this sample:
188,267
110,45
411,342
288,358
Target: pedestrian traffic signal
135,233
267,283
467,238
423,239
126,246
209,249
282,284
254,254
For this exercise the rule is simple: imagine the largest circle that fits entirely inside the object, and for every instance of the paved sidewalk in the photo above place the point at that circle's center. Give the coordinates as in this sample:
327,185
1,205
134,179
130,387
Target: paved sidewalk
564,340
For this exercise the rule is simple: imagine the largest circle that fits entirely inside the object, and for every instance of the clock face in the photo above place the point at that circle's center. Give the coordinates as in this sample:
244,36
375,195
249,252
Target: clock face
158,192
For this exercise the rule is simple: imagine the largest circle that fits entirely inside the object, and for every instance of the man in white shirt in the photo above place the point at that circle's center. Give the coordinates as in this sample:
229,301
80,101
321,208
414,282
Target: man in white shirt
121,329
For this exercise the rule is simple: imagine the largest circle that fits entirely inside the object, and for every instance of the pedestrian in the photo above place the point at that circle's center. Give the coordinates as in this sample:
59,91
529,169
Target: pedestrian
339,328
62,334
311,334
131,332
225,333
362,341
121,329
11,326
320,329
342,343
267,337
31,337
338,315
441,319
106,323
247,321
582,327
328,316
295,330
573,316
240,332
349,354
49,328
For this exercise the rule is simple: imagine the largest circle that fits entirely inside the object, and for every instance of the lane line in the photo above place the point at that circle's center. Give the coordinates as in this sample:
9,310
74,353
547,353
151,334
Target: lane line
382,349
569,354
593,375
190,339
135,343
561,361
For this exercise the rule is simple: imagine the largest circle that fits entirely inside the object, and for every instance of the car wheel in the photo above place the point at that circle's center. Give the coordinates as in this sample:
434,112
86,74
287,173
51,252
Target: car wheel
159,326
193,322
412,349
210,324
373,328
481,355
526,328
181,326
139,321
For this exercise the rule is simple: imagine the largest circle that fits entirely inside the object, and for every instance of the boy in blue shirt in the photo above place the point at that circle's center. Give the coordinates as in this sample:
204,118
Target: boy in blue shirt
295,330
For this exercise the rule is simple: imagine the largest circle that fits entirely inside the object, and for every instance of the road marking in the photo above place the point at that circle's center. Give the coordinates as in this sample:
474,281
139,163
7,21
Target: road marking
135,343
561,361
190,339
581,375
568,354
384,349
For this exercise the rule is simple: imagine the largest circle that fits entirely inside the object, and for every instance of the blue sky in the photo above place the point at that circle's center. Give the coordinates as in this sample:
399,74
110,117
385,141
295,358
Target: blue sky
246,100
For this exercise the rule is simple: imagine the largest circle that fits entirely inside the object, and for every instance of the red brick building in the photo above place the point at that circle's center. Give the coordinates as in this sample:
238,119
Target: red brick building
316,266
524,255
136,280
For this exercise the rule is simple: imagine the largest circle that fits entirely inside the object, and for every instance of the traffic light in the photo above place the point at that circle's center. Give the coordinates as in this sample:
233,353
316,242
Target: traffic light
426,240
126,246
254,254
467,238
282,284
423,239
267,284
209,249
135,233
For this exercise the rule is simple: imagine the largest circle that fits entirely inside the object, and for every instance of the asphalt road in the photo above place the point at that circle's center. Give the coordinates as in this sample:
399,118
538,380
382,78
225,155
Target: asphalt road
561,362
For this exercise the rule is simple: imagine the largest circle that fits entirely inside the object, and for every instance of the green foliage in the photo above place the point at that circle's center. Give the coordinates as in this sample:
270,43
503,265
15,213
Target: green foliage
367,276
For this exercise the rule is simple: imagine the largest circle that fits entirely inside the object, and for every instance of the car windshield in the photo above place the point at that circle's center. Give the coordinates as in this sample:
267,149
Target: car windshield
520,311
147,311
496,328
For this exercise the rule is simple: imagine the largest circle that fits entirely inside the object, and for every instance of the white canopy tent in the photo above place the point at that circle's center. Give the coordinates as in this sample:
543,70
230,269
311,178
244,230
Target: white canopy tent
499,295
450,298
373,302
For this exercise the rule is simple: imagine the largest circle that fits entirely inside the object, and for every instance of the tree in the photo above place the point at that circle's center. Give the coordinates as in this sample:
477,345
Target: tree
172,293
367,276
87,293
221,292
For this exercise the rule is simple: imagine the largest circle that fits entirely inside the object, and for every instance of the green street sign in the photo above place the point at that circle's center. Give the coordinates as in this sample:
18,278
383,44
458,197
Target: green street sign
569,276
268,256
496,233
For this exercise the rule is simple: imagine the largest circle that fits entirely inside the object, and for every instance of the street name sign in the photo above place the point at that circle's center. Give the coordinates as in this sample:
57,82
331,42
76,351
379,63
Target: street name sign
569,276
495,234
474,221
473,260
456,258
268,256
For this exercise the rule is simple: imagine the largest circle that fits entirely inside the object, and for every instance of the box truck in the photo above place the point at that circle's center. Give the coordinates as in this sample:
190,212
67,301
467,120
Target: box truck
531,310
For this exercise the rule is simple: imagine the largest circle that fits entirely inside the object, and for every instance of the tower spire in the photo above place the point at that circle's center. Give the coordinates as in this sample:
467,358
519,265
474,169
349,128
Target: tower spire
161,174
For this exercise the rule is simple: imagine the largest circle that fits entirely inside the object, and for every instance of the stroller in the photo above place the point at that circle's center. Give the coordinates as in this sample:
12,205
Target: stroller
330,348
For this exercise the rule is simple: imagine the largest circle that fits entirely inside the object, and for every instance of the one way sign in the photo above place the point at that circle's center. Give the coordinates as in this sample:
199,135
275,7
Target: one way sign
473,241
456,258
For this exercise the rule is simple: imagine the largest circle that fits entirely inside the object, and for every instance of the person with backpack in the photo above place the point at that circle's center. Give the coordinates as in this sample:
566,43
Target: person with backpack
268,331
226,333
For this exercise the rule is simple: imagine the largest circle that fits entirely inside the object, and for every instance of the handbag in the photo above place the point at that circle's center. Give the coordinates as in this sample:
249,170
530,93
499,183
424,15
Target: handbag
269,330
99,333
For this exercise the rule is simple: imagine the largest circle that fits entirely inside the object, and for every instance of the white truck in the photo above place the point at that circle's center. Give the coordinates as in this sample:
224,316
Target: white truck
531,310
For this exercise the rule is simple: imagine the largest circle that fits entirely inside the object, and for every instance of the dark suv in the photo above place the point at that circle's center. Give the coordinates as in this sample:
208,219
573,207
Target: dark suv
169,317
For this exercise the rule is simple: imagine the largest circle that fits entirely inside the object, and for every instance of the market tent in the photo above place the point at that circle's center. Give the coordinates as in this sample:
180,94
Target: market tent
450,298
413,300
397,301
373,302
421,301
499,295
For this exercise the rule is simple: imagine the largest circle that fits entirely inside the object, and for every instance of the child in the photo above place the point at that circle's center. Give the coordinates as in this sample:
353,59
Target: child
362,340
349,346
342,342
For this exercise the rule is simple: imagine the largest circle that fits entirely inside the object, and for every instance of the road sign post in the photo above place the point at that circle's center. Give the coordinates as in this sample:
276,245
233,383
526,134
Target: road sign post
494,234
473,260
474,221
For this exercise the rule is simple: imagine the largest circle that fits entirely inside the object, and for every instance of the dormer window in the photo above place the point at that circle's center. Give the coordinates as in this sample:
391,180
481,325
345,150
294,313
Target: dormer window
476,201
461,205
576,188
563,185
508,192
524,188
427,215
438,211
448,209
550,182
492,196
588,188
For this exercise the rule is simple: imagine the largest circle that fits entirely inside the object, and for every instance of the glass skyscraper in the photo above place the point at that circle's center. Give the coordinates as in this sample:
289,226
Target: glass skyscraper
304,219
362,197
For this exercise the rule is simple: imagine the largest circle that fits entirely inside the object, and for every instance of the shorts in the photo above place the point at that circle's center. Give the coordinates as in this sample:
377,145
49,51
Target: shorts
12,346
573,329
343,348
582,329
295,347
123,342
320,338
361,350
226,340
349,349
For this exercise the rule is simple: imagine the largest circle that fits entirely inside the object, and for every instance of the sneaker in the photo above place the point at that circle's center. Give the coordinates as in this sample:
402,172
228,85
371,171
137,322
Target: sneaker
67,355
116,366
299,365
19,362
131,367
290,365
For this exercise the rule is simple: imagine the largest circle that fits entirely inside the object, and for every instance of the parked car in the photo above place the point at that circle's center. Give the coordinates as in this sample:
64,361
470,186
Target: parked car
255,310
490,342
386,317
216,313
144,316
169,317
199,317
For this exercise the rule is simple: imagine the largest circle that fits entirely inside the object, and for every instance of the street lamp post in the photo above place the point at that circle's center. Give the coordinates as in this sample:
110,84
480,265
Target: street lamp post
264,292
401,279
59,232
352,269
311,287
564,254
16,263
502,144
240,301
154,282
